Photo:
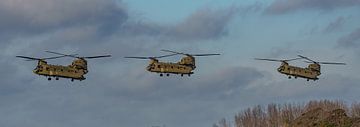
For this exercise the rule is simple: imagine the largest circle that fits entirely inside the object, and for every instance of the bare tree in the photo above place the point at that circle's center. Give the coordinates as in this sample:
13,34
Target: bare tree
223,123
355,110
282,115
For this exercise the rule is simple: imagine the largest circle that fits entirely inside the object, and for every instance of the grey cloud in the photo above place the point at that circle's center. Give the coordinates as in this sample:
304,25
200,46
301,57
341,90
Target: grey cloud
212,86
329,86
138,99
335,25
287,6
204,24
209,23
36,16
351,40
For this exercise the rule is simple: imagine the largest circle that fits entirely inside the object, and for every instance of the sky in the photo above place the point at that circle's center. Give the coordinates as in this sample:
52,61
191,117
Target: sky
120,92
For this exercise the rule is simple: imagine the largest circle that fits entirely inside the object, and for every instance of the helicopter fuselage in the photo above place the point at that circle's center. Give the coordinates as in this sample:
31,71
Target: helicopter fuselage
307,73
169,68
57,71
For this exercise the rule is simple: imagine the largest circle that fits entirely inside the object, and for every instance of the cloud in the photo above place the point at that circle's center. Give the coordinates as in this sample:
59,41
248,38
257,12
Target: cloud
351,40
45,15
288,6
209,23
335,25
139,99
204,24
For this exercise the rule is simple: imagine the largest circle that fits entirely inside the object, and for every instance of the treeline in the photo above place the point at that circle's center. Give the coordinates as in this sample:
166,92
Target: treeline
275,115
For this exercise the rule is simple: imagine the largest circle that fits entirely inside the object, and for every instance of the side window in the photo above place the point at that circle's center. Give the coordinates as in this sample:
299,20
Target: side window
159,66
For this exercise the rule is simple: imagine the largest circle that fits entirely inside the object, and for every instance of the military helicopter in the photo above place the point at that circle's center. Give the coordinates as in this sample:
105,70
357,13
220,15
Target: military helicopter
184,67
310,73
75,71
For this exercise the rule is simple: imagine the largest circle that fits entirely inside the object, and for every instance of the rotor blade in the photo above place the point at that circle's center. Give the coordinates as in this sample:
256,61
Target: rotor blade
269,60
152,57
53,57
61,54
204,54
173,52
58,56
92,57
307,58
30,58
332,63
293,59
165,55
137,57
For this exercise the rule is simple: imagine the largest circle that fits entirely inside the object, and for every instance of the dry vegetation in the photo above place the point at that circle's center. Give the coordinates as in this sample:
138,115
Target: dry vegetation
324,113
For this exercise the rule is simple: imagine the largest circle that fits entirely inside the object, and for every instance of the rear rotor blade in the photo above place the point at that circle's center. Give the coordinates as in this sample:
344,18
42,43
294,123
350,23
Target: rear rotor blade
166,55
293,59
173,52
332,63
137,57
307,58
152,57
92,57
189,54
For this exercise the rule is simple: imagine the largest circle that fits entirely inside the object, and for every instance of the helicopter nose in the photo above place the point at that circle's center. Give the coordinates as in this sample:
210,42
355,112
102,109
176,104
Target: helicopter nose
148,68
35,70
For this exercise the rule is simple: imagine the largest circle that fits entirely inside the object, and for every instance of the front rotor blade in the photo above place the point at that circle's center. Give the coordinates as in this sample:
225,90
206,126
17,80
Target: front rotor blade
53,57
58,57
138,57
92,57
269,60
30,58
61,54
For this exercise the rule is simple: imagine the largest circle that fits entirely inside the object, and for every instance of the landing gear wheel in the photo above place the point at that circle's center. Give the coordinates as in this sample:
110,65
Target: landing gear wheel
189,75
57,78
167,75
49,78
182,75
161,75
289,77
72,80
308,80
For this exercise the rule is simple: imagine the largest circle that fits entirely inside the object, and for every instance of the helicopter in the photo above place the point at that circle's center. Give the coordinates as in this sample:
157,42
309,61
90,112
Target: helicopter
184,67
310,73
75,71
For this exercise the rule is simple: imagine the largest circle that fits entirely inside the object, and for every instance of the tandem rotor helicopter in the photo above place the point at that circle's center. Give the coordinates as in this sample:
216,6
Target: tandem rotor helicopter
184,67
75,71
310,73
